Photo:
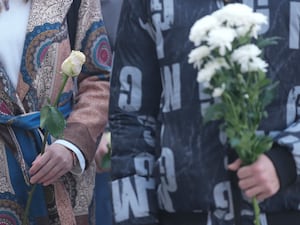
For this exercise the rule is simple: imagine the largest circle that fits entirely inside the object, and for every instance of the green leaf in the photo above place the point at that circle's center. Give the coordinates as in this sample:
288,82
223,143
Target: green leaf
214,112
268,94
105,164
234,142
106,160
263,42
52,120
263,144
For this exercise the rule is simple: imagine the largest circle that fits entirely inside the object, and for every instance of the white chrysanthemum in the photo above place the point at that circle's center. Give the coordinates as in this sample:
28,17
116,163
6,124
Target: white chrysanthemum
245,52
196,56
218,91
242,18
255,65
222,38
201,27
248,57
252,24
210,68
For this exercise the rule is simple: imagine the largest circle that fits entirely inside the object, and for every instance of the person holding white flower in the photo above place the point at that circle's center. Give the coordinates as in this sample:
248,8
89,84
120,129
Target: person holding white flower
36,38
168,166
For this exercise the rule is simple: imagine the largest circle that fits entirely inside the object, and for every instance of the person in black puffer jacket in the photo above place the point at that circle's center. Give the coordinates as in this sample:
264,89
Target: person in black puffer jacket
168,168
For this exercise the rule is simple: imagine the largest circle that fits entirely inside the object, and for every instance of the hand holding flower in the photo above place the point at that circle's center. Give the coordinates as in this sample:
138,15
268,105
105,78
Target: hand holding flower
47,168
259,179
55,160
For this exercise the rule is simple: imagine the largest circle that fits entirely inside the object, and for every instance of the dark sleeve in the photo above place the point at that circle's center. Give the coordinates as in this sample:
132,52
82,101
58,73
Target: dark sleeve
285,154
72,21
134,104
284,164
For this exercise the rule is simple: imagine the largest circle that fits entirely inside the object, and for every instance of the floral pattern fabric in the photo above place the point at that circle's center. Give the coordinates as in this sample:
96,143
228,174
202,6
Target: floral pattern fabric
46,46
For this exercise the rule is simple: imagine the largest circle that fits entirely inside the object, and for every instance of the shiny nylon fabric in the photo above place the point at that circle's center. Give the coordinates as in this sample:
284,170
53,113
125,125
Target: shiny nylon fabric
164,158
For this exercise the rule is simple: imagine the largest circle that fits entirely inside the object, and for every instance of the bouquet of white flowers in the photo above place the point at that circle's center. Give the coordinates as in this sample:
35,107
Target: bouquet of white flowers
228,57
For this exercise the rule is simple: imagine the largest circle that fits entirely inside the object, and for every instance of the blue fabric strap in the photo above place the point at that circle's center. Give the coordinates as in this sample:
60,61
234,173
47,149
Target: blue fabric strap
31,120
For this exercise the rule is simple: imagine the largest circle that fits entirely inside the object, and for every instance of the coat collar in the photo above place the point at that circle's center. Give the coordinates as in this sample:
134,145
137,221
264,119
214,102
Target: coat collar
45,19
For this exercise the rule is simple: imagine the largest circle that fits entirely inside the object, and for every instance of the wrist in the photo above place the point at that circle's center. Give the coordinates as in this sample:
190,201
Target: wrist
74,157
79,160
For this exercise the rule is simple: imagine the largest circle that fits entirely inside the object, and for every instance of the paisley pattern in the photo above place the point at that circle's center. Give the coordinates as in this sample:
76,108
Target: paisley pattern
37,45
7,94
35,48
10,213
97,45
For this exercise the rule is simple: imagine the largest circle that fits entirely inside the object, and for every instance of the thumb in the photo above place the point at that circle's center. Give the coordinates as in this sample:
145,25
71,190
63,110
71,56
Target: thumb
235,165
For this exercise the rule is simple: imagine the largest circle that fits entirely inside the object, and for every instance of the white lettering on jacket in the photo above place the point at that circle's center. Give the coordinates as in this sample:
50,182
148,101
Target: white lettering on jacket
167,178
129,194
172,89
130,98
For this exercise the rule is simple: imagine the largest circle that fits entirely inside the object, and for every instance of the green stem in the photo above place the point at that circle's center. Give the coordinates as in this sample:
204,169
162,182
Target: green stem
44,142
227,99
256,211
64,81
33,187
28,203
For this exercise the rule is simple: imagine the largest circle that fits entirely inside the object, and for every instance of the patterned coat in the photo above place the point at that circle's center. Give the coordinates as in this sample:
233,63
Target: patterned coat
46,45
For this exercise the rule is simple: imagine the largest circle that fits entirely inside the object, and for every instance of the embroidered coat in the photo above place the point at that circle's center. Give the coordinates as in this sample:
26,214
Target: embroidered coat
46,45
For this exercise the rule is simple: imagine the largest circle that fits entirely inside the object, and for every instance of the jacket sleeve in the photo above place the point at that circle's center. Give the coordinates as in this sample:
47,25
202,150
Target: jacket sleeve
134,106
90,111
285,154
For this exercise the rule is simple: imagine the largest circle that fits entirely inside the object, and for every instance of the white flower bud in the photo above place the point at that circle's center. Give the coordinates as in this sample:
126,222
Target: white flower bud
73,64
218,91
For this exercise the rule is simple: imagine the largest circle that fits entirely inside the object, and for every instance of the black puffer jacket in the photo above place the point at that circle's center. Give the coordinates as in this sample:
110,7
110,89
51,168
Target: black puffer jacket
164,158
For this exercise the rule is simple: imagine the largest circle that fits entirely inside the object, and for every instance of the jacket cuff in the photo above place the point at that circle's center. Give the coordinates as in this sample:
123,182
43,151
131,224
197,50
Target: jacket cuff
79,135
78,168
284,164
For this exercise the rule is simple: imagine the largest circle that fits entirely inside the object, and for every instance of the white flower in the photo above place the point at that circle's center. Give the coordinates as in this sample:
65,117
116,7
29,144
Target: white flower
253,24
242,18
72,65
233,14
200,28
205,74
218,91
210,69
221,38
256,64
248,58
196,56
